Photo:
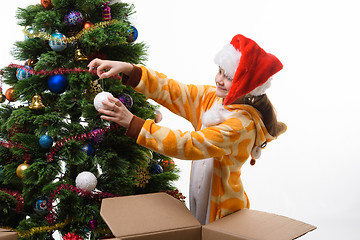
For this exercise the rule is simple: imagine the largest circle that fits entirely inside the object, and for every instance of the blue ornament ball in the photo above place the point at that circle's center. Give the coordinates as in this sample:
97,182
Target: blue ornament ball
74,18
30,31
88,149
57,42
1,173
22,74
46,141
127,100
157,169
133,34
58,83
41,205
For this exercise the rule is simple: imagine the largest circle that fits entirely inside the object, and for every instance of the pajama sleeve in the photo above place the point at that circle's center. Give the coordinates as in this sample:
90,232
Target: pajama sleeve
231,136
182,99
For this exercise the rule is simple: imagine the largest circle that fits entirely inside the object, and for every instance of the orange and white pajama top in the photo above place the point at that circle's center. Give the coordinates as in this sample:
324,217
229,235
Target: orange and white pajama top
221,143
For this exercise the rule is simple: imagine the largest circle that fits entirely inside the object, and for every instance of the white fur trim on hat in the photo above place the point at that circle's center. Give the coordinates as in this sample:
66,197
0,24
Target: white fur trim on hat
260,90
228,59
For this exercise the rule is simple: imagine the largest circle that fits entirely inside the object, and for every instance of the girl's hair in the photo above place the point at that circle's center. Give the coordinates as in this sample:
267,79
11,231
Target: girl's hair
267,113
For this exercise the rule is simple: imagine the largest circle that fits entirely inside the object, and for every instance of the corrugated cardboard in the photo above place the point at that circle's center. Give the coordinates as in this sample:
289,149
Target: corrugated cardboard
7,234
159,216
255,225
151,216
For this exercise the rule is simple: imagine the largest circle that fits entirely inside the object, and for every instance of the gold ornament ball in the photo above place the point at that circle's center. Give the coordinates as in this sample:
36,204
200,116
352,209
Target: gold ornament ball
20,170
31,62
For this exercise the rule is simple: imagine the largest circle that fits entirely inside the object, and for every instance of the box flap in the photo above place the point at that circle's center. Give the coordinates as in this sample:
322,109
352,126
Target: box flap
148,213
256,225
7,234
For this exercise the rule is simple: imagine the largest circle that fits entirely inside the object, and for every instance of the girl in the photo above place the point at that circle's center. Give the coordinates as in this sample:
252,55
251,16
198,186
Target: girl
233,121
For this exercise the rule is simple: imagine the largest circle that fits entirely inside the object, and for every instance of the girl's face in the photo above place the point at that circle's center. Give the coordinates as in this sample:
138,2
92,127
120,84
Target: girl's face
223,84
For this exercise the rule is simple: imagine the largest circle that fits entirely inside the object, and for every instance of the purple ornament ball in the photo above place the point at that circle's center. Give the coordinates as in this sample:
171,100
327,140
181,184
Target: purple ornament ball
74,18
127,100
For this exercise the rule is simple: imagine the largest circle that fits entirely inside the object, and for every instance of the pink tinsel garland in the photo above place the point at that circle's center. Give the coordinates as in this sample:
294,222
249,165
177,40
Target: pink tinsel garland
94,195
80,137
17,195
57,71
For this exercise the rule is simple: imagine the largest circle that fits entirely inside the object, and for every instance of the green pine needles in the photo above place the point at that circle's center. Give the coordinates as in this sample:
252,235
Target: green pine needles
50,131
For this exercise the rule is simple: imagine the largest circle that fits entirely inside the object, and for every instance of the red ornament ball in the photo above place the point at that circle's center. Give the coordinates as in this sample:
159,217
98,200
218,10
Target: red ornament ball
9,94
47,4
88,25
168,163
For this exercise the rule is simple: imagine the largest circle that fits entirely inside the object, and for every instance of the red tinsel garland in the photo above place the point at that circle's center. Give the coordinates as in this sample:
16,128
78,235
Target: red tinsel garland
80,137
10,144
17,195
98,196
58,71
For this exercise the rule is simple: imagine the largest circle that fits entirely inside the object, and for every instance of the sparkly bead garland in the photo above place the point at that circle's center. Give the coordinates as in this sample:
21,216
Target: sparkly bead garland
94,195
57,71
80,137
43,229
47,36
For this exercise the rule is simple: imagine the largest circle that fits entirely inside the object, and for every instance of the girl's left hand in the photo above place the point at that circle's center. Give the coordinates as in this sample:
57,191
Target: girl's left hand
116,112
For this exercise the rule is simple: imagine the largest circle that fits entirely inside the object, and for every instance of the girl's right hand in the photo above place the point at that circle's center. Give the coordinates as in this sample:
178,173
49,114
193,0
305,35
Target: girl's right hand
113,67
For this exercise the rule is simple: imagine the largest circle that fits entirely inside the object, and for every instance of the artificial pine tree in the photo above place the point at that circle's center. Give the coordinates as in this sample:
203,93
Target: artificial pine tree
58,159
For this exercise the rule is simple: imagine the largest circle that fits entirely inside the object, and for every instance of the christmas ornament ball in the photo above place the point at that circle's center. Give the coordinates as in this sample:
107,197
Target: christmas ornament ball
88,25
86,181
1,173
41,205
46,141
58,83
74,18
47,4
22,74
127,100
103,96
157,169
57,42
20,169
29,31
9,94
133,34
158,116
88,149
97,136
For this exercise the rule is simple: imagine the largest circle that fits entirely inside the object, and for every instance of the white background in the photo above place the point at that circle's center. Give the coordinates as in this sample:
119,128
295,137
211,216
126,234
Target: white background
311,172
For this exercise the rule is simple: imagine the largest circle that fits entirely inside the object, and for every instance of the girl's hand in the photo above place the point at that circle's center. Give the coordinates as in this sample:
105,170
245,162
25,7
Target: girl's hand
118,113
113,67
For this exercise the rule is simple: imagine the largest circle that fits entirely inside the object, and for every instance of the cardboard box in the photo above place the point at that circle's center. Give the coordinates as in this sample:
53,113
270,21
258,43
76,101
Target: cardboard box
7,234
159,216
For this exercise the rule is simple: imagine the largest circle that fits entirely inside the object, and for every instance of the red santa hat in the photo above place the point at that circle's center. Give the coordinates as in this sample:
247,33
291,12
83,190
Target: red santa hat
248,65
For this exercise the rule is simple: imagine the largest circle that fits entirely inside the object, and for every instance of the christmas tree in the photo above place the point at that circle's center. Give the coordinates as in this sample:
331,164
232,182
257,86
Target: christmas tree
58,159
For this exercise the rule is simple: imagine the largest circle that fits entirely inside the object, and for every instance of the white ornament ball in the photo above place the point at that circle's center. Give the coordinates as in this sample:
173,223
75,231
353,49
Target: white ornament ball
86,181
101,97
